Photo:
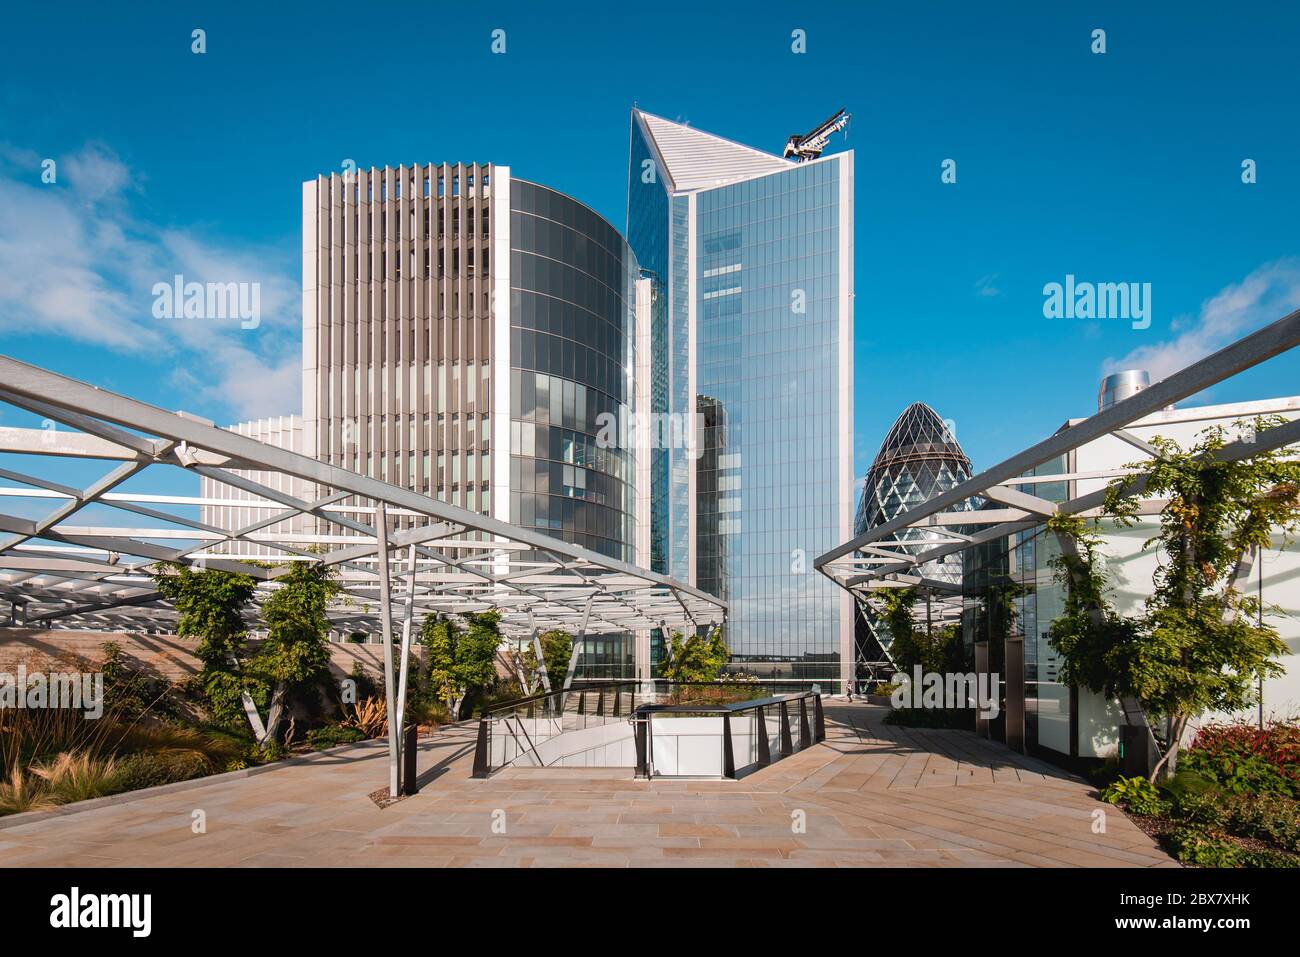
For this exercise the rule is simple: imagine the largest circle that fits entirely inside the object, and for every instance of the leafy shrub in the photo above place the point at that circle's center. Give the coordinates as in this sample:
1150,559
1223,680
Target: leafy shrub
1267,817
1194,846
147,770
366,686
426,712
1135,794
1104,773
1187,782
131,691
270,752
333,735
1201,808
1246,759
695,658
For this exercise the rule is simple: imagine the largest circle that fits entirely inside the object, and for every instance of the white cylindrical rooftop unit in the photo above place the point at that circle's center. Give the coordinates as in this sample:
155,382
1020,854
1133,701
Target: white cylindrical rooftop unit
1119,386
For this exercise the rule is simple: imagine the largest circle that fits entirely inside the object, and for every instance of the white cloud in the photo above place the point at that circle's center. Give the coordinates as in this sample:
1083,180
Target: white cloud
76,265
95,173
1267,294
985,285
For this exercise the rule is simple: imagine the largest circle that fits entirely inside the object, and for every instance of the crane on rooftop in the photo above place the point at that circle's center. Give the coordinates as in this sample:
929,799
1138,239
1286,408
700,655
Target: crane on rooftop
810,145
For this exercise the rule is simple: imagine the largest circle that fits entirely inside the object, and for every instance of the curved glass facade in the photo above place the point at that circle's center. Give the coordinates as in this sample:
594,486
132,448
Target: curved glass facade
918,459
573,362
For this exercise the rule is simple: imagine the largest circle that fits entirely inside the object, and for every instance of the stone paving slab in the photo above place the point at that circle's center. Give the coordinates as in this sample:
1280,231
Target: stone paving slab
871,795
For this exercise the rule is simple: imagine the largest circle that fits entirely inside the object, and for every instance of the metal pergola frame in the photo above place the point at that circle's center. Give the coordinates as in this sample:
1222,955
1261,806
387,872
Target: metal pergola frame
862,563
875,560
451,560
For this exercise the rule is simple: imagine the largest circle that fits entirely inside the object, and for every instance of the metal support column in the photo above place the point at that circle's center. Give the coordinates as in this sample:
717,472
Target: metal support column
481,750
787,744
404,665
386,616
1015,703
409,747
642,726
537,651
805,735
760,728
981,668
578,642
728,753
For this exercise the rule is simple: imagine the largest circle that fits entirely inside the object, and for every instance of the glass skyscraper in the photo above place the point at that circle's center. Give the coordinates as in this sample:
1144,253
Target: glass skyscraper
750,261
918,459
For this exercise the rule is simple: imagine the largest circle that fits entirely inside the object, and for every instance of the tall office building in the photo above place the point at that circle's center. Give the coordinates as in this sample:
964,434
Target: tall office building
463,334
466,334
750,260
282,432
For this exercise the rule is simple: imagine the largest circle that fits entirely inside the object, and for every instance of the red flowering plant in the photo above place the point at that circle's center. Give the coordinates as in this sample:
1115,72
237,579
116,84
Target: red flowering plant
1247,759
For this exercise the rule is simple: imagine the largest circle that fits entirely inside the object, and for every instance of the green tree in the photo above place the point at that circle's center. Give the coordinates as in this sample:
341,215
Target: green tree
294,658
557,646
460,660
697,658
938,650
1200,644
210,604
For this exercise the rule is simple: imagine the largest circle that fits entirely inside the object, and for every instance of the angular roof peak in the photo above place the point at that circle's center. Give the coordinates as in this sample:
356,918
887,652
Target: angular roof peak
693,159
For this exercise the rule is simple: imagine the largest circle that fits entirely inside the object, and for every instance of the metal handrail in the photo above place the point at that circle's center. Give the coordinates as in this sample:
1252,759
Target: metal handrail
515,703
531,747
808,735
638,713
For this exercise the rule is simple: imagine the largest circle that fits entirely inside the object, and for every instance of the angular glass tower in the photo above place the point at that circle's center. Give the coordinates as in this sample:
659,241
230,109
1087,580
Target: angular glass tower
750,260
918,459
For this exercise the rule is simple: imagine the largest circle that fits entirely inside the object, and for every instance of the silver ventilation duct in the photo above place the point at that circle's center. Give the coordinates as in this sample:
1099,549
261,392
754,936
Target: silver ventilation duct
1119,386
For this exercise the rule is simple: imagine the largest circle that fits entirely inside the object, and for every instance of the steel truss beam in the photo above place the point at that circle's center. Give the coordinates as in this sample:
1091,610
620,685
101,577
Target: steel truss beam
100,575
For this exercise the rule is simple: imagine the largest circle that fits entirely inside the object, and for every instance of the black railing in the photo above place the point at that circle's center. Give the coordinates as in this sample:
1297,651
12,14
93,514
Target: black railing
810,733
504,735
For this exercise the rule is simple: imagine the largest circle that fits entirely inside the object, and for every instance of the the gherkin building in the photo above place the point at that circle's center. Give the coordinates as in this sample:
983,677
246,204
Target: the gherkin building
919,459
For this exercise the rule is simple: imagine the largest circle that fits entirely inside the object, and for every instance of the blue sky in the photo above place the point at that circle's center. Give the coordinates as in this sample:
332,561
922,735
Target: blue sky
1122,167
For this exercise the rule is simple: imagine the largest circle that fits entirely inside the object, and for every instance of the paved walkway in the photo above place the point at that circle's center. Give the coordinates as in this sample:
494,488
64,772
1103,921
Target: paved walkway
872,795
